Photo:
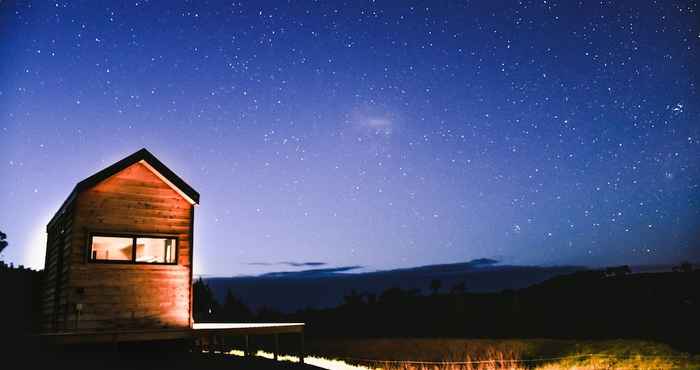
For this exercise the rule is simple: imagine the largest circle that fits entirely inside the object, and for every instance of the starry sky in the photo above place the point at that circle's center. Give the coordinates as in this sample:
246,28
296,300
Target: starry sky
380,134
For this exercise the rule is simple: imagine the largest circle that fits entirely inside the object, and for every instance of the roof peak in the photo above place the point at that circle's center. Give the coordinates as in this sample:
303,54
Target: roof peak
154,164
141,155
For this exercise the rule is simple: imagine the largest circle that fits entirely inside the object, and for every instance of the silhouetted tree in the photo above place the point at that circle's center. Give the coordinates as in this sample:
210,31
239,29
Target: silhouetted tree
458,288
268,314
234,310
435,285
353,299
205,305
685,266
618,271
3,241
397,295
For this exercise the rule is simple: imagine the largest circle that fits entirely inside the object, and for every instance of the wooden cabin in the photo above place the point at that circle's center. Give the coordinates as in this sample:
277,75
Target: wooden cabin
119,251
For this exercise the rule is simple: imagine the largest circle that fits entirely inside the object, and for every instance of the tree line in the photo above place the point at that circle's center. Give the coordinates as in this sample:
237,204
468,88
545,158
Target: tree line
594,304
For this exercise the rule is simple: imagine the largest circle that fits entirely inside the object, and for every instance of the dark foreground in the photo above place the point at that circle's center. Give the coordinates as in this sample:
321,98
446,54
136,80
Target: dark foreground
136,357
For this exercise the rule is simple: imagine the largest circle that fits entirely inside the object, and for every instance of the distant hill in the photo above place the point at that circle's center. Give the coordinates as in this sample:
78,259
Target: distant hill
585,305
321,288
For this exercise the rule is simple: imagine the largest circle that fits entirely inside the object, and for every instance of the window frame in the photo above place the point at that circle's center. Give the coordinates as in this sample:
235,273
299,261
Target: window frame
133,237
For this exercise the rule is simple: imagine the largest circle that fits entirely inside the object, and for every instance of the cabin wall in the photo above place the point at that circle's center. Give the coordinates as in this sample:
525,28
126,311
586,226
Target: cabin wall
123,295
54,303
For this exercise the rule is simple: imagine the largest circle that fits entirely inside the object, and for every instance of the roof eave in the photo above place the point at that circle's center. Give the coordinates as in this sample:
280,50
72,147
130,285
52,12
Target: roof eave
143,156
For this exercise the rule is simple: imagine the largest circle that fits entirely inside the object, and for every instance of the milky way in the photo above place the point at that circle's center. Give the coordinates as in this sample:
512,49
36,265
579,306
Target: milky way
378,134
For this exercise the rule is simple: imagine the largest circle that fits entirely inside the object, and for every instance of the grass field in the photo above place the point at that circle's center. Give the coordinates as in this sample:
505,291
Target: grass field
478,354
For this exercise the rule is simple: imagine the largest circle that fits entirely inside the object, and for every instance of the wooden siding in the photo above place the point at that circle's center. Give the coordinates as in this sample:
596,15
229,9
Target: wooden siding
56,267
122,295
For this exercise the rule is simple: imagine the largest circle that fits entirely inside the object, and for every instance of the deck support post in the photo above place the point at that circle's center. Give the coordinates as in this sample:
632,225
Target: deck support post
277,346
246,352
301,347
222,344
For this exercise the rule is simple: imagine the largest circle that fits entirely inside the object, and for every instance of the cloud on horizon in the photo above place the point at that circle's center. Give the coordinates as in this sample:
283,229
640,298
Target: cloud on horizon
312,272
317,272
289,263
480,262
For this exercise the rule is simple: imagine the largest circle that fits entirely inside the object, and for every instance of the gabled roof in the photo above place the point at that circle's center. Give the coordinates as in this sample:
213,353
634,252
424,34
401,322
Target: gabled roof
150,161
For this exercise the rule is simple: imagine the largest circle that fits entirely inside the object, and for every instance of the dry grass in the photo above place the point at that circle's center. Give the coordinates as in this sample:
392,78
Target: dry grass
454,354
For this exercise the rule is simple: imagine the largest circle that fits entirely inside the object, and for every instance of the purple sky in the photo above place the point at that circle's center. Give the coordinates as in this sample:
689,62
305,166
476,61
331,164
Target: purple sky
377,134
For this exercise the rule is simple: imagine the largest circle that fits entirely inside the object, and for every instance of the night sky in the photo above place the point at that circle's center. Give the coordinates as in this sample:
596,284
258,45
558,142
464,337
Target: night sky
376,134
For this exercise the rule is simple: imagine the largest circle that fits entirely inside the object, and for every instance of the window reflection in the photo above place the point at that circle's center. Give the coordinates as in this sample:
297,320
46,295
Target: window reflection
119,248
109,248
155,250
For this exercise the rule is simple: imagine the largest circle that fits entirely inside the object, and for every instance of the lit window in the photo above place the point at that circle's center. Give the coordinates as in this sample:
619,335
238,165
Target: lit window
133,249
155,250
109,248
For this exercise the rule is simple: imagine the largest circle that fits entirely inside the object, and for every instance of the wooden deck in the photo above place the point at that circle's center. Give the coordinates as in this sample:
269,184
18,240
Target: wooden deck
209,336
244,328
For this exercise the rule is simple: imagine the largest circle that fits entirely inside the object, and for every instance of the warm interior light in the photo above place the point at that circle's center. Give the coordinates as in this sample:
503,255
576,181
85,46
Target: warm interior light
111,248
157,250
